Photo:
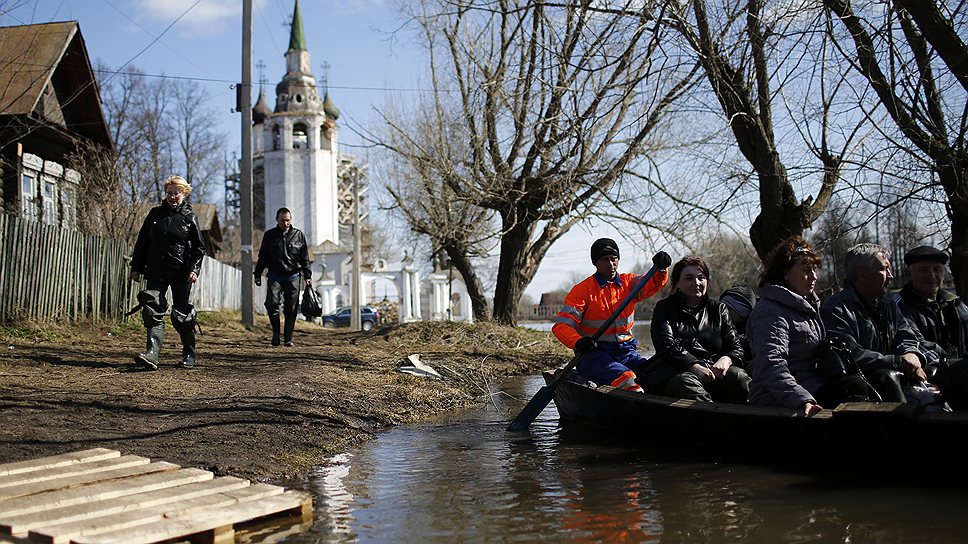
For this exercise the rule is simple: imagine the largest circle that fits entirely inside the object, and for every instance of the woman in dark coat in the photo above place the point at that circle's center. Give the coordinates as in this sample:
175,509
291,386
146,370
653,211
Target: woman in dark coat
698,353
786,334
168,254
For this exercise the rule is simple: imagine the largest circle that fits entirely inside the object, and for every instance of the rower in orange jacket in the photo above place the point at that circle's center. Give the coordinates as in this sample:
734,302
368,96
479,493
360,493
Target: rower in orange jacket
613,359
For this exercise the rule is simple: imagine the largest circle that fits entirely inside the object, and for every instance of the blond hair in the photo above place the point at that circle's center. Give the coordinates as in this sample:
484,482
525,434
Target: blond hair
180,183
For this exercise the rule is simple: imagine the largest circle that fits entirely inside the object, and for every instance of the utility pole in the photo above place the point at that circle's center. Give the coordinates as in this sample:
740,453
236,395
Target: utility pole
245,105
355,321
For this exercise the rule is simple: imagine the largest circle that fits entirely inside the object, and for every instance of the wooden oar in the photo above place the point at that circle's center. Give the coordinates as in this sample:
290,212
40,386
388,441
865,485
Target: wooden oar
544,395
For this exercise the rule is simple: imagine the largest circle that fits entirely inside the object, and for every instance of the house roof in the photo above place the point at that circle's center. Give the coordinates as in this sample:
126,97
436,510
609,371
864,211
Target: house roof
51,58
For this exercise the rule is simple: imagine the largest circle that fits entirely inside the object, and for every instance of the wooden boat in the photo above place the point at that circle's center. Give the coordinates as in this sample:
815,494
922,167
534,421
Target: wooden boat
853,433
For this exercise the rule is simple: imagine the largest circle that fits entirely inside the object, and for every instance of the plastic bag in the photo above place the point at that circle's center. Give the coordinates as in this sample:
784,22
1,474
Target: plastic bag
310,303
927,395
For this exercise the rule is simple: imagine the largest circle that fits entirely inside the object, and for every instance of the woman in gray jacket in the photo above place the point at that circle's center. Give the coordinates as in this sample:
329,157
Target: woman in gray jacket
786,334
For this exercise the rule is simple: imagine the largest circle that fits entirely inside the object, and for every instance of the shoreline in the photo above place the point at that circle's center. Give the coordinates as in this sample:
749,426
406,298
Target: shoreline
247,410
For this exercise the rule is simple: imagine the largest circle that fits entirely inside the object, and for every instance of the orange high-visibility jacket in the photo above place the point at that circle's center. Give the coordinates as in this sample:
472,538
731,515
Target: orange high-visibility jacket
590,303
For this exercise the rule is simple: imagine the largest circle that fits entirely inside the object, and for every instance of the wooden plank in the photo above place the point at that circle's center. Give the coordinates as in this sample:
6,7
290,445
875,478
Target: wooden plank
101,491
75,469
128,527
19,525
78,481
54,461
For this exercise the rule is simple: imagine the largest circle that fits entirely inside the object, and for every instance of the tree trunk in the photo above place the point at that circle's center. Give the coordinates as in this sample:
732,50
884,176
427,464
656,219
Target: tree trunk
512,272
475,289
953,178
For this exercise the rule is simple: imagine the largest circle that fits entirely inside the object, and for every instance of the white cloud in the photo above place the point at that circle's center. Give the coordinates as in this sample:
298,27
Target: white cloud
208,14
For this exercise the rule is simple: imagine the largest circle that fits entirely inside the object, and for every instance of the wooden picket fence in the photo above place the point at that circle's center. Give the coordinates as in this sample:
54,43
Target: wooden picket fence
48,273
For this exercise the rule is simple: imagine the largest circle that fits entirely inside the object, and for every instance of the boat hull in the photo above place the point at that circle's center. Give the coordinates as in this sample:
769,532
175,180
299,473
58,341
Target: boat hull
853,432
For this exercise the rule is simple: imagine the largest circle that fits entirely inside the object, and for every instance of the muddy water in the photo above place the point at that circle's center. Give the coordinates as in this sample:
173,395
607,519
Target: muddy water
465,479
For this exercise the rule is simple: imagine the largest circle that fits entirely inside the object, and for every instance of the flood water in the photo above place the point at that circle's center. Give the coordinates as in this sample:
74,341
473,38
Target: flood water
465,479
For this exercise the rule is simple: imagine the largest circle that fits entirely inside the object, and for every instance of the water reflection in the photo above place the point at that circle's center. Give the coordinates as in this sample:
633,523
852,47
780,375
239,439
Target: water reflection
465,479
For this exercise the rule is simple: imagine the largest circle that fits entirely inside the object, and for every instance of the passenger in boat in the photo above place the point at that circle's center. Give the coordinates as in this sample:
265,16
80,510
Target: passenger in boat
698,353
613,359
882,342
786,334
940,319
739,301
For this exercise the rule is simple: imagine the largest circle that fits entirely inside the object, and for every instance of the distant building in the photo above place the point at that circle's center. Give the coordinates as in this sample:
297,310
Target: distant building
296,164
49,106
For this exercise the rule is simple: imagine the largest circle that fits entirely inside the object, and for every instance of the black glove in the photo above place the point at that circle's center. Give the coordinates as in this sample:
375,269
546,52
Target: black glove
585,345
662,260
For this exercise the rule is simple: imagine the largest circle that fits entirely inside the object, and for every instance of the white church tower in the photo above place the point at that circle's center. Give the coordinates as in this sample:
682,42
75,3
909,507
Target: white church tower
295,151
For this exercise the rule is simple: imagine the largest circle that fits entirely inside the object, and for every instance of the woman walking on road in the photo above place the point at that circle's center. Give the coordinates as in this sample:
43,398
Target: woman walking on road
168,253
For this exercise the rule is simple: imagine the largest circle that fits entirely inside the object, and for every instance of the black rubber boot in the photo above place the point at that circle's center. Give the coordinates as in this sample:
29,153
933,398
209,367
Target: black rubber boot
290,325
152,312
274,320
185,325
149,357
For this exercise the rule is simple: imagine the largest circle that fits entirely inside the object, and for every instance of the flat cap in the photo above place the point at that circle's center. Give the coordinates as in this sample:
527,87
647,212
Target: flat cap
925,253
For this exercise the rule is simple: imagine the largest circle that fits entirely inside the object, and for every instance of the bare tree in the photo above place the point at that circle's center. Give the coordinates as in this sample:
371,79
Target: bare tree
549,104
200,144
769,71
912,55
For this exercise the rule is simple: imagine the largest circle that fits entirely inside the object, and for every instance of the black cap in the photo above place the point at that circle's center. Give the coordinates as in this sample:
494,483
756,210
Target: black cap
603,247
925,253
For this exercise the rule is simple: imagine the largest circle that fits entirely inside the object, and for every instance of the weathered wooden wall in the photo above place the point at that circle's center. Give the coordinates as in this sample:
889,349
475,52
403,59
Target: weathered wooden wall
48,273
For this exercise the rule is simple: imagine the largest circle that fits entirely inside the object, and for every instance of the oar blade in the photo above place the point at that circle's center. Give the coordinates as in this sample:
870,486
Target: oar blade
535,406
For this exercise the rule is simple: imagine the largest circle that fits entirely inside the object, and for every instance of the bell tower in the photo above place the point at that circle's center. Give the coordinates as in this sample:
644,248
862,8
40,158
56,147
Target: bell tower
299,148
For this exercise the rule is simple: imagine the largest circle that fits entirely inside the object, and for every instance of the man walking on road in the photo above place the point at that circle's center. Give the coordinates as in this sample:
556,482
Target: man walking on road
285,253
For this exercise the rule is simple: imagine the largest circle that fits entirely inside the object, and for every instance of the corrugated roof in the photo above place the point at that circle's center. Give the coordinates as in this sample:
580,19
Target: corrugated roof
28,56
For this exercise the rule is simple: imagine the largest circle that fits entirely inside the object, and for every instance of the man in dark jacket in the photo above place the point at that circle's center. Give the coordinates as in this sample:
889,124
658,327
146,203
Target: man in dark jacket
285,253
940,319
882,342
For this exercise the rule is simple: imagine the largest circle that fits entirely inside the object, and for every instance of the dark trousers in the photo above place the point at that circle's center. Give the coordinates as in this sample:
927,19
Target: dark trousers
180,291
733,388
282,293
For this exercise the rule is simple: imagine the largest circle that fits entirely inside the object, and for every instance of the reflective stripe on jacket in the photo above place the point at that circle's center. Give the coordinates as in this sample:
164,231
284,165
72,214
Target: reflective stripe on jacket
590,303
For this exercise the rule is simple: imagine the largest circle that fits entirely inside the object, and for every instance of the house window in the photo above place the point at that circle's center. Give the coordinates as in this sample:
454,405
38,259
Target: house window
300,136
276,138
68,208
50,201
28,192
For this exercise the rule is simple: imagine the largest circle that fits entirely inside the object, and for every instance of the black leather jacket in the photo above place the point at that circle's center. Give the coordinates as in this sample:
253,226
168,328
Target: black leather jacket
876,332
682,337
284,253
942,322
169,243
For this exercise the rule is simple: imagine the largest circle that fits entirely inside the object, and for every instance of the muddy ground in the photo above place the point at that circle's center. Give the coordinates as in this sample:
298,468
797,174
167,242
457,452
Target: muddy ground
247,409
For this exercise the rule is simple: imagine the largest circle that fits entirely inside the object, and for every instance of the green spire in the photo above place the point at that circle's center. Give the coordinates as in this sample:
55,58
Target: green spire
297,41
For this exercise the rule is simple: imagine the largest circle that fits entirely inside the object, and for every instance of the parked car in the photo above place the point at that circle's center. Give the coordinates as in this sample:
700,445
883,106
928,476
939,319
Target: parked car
369,318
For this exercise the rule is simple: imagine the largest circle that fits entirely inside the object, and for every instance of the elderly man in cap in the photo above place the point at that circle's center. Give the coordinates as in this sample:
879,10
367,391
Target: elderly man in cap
883,343
941,319
611,360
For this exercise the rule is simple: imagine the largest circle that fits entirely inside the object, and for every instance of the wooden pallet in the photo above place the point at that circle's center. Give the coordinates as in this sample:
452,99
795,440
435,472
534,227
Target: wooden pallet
101,496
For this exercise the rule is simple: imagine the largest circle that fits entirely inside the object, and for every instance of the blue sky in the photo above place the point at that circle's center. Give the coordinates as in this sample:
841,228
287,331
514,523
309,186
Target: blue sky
369,50
202,40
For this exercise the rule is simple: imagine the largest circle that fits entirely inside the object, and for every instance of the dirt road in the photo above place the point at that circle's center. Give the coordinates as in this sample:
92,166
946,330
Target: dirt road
247,409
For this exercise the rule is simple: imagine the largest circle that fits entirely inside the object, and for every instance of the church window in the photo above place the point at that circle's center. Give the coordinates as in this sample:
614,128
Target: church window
298,98
276,138
300,136
325,141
